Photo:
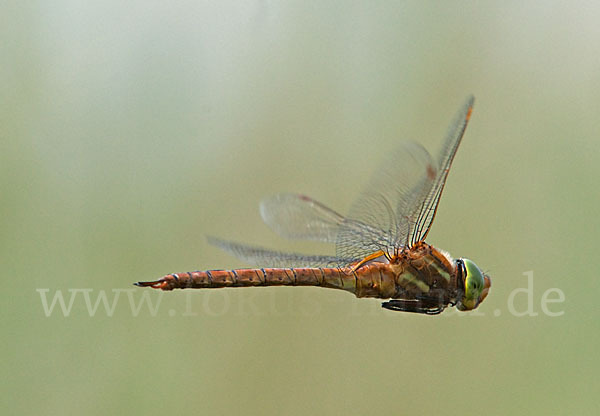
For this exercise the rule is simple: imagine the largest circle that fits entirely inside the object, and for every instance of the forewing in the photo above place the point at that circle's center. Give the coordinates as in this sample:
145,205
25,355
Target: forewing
428,208
262,257
381,217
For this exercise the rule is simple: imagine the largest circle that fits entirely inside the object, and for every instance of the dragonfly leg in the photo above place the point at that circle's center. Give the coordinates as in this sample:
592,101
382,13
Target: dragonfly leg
422,306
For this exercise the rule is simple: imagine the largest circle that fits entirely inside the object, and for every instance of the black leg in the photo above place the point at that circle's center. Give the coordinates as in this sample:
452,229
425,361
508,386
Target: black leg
422,306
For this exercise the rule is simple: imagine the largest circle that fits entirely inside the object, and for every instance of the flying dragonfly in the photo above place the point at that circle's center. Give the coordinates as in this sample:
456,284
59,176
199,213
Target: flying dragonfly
380,245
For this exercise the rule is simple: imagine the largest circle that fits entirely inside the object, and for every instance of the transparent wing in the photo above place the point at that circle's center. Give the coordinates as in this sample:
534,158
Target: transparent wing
300,217
428,207
379,220
269,258
401,199
396,208
388,205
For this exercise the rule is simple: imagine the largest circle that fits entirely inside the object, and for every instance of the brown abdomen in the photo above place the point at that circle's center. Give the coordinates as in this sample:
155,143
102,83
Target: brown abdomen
374,280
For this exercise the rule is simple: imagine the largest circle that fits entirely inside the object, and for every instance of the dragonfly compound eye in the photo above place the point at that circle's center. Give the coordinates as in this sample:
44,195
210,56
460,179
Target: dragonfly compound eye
476,286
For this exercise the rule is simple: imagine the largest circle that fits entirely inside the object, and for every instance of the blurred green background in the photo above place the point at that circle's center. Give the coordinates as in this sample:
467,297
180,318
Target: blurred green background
130,130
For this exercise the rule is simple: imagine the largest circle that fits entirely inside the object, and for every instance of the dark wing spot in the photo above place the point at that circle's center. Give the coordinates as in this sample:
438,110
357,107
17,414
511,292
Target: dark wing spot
431,172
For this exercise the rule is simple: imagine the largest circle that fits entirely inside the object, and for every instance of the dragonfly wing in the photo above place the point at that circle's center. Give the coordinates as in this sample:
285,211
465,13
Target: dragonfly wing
262,257
428,207
396,208
381,217
300,217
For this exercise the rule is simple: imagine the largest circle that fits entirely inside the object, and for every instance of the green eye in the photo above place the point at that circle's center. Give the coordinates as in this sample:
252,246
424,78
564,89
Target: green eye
474,282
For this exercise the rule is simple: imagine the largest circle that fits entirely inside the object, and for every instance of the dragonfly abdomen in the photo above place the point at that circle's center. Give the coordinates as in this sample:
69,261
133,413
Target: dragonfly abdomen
373,280
211,279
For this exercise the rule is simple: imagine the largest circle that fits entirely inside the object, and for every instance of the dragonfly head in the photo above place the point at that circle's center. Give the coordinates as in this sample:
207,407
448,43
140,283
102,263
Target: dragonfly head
475,284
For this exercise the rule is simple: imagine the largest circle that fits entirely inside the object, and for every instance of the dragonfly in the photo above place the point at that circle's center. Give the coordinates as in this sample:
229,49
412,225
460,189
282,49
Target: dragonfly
380,248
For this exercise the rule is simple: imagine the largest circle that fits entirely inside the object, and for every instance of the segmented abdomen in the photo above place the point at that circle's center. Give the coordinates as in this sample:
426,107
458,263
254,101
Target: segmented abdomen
374,280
